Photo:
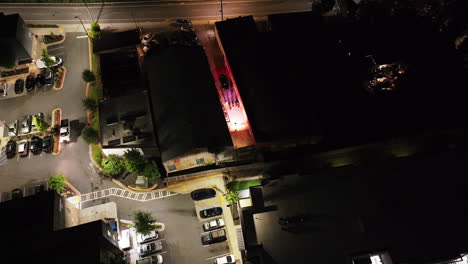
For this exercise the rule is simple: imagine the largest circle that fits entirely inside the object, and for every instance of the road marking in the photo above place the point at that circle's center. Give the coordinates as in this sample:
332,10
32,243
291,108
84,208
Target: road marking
219,256
164,252
39,14
80,37
56,48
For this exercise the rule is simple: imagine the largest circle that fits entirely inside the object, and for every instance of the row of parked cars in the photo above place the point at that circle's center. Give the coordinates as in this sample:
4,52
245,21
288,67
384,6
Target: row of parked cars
25,127
214,231
36,146
148,248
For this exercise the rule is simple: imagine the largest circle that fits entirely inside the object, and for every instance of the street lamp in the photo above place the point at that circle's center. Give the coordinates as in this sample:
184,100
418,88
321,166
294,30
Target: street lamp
221,10
92,19
83,25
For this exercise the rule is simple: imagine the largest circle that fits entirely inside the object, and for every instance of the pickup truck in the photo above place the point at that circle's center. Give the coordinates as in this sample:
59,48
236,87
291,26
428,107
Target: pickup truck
214,237
212,225
64,131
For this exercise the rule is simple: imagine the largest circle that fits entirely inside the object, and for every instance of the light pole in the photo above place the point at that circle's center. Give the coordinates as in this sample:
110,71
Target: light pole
221,10
92,19
83,25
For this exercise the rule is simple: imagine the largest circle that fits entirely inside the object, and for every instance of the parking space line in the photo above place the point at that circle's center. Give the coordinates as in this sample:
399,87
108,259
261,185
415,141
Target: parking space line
219,256
164,252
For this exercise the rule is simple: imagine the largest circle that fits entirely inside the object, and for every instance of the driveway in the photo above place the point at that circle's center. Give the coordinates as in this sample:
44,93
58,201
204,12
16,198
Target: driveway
73,161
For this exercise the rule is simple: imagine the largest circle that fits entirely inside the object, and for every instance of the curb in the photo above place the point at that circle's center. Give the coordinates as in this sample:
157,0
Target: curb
62,81
90,152
73,188
58,42
130,189
135,189
55,123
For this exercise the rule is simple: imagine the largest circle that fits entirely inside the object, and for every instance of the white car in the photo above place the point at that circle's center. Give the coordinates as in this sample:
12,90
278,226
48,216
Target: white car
155,259
13,128
41,65
26,125
153,247
153,235
64,131
4,89
229,259
212,225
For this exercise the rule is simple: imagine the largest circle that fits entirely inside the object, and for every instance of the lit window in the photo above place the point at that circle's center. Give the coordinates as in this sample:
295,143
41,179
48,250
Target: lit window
171,167
200,161
376,259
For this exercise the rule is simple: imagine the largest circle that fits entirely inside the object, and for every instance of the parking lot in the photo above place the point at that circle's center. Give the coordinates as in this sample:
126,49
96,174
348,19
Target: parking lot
182,236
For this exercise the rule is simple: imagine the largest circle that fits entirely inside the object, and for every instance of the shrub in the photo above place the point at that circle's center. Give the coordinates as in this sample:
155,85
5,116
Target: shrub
90,135
95,30
144,222
48,61
232,197
88,76
133,161
40,124
57,183
151,171
89,104
112,165
97,153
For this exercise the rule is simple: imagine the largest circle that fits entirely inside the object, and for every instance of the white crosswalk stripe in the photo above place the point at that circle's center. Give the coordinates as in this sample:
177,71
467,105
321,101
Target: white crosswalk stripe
3,156
142,197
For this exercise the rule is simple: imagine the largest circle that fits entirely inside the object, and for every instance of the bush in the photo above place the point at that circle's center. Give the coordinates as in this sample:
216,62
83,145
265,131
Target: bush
232,197
133,161
90,135
89,104
88,76
112,165
40,124
151,171
52,38
95,30
57,183
97,153
48,61
144,222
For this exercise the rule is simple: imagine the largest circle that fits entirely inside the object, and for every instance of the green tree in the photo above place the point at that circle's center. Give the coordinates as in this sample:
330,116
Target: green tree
95,30
89,104
40,124
112,165
133,161
57,183
151,171
88,76
90,135
144,222
48,61
232,197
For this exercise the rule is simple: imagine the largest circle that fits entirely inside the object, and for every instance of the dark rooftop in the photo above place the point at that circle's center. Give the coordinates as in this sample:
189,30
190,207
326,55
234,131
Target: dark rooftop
186,110
111,41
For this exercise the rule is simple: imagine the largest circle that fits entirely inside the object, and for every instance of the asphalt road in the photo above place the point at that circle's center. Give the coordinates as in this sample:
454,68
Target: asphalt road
73,161
150,12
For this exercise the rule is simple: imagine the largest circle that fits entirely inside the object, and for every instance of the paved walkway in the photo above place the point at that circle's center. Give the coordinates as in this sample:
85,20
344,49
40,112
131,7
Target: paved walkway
142,197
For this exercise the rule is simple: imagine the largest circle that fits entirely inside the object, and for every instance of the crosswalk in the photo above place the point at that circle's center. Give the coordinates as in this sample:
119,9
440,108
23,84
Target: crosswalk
142,197
3,156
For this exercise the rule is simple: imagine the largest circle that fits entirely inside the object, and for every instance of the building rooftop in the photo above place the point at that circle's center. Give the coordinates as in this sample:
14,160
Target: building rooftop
126,121
112,41
185,107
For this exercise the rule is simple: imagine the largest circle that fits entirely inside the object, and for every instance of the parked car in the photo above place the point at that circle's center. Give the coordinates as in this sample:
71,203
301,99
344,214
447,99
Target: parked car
30,83
4,89
210,212
41,64
36,145
64,131
49,78
155,259
40,80
146,249
16,194
13,128
202,194
212,225
224,81
26,124
153,235
23,148
229,259
19,86
213,237
47,144
11,149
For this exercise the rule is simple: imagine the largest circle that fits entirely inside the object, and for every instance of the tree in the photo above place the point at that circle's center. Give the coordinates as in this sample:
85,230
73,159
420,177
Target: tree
57,183
151,171
133,161
95,30
89,104
112,165
40,124
232,197
90,135
144,222
88,76
48,61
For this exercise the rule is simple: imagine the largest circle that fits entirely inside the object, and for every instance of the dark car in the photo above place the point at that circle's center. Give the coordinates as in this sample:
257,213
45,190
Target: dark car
210,212
40,80
16,194
224,81
47,144
19,86
49,78
202,194
30,83
36,145
213,237
11,149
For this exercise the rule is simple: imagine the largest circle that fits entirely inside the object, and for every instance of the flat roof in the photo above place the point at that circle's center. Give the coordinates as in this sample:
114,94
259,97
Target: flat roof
185,107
